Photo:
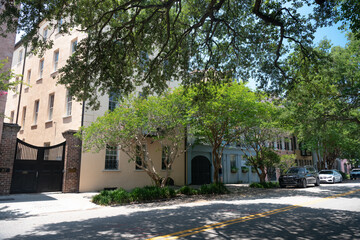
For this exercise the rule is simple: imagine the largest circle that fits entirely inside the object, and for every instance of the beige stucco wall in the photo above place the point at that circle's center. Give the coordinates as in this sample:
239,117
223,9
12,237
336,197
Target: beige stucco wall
94,177
46,130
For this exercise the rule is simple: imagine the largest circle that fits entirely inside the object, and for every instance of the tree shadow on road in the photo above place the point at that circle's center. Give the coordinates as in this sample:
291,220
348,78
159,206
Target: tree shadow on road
9,214
297,223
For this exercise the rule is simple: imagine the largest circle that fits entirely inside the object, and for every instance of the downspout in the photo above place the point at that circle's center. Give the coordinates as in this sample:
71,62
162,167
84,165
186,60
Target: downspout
21,84
185,156
82,113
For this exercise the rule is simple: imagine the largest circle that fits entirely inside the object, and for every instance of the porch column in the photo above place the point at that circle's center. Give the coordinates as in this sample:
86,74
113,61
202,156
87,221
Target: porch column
72,162
7,155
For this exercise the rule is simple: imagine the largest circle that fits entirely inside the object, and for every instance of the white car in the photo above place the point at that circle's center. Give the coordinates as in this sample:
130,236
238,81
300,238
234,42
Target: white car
330,176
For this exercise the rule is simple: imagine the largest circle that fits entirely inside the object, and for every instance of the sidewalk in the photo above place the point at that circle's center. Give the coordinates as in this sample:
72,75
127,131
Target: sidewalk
43,203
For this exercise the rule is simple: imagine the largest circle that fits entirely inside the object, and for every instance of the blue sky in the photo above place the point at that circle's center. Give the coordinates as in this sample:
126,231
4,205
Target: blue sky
336,36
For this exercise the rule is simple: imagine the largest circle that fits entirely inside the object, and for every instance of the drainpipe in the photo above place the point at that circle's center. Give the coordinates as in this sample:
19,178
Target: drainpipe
83,113
185,156
21,84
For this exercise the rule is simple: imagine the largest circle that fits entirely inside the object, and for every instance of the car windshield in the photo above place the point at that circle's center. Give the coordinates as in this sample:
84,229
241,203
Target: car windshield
326,172
356,170
294,170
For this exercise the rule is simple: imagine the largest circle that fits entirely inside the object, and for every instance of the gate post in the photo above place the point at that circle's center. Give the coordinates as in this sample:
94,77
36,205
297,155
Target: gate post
7,156
72,162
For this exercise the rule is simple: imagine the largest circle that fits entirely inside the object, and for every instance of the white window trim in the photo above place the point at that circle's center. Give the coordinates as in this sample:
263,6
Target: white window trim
36,112
72,50
41,68
23,118
117,160
51,106
56,62
67,104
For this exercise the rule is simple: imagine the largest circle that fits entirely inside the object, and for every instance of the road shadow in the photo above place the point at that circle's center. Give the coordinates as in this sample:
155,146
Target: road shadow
298,223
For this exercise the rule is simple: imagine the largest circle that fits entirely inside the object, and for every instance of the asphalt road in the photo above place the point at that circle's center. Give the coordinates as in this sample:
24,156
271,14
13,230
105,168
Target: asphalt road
331,211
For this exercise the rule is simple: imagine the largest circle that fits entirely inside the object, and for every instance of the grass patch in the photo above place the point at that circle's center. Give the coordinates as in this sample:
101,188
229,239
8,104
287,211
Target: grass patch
264,185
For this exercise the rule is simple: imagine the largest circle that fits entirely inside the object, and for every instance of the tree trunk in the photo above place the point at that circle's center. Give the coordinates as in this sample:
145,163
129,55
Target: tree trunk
262,175
217,165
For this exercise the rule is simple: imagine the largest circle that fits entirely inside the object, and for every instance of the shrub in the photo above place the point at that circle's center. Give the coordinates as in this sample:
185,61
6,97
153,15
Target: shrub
344,175
213,188
103,198
151,193
187,190
264,185
120,196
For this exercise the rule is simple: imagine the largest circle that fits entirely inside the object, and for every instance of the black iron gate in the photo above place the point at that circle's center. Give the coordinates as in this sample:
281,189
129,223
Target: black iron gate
37,169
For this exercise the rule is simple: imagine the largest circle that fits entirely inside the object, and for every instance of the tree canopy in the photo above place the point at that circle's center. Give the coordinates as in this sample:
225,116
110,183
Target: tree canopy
324,105
147,43
217,115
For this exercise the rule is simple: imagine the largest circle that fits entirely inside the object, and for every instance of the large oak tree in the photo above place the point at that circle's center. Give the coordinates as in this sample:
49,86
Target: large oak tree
147,43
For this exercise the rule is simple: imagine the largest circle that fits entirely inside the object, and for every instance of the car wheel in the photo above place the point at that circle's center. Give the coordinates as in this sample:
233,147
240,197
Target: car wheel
303,183
317,183
333,180
341,179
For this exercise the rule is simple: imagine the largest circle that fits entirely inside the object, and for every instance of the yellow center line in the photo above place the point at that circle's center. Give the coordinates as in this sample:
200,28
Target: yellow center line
208,227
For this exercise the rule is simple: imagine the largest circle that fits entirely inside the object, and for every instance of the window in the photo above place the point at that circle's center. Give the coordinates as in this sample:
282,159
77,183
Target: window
21,52
45,33
113,101
60,22
304,151
23,118
111,158
36,111
165,156
12,114
51,105
28,76
56,60
41,68
140,156
294,143
287,144
68,104
279,145
232,161
46,151
17,86
73,46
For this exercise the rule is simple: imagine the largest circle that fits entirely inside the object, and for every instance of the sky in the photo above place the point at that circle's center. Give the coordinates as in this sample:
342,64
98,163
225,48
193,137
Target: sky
336,36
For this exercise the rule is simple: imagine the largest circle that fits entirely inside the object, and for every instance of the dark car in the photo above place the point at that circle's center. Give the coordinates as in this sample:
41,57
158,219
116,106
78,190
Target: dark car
300,177
355,173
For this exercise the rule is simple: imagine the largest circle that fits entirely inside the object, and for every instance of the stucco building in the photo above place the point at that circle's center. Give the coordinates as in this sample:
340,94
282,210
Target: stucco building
46,111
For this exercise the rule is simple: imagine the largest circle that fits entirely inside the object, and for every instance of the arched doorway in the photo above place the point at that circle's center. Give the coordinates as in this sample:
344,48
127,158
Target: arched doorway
200,170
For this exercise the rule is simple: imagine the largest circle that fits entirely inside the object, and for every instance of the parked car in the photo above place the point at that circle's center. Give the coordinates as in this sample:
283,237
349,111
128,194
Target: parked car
330,176
355,173
300,176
